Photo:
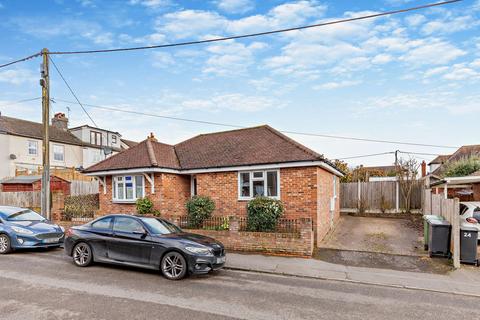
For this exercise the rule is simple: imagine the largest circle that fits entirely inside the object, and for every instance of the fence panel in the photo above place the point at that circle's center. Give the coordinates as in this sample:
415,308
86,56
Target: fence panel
78,187
81,207
30,199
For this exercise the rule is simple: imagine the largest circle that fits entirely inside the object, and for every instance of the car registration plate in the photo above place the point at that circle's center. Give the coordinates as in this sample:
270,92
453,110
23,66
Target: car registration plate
50,240
221,260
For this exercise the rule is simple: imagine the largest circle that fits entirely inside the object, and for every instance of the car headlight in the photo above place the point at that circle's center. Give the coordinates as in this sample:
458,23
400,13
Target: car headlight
21,230
199,250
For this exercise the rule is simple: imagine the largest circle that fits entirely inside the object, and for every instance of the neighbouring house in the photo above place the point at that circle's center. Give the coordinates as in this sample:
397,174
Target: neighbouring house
466,188
437,162
21,145
231,167
34,183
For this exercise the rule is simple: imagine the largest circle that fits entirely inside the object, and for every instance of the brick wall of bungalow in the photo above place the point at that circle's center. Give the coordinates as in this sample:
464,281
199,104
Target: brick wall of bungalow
305,193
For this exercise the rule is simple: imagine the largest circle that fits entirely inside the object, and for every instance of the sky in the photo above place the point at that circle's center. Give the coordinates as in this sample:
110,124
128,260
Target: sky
411,77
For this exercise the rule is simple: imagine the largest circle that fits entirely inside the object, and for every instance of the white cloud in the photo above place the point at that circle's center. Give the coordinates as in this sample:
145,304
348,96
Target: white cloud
188,23
435,71
382,58
449,25
235,6
234,101
432,52
17,76
163,59
231,58
153,4
336,85
87,3
415,20
461,72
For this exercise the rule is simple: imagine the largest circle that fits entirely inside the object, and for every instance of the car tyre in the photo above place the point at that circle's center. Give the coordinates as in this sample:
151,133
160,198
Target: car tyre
82,254
5,244
174,266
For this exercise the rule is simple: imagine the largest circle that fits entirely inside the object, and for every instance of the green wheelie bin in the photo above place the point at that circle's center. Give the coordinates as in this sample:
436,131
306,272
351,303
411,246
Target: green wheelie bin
426,218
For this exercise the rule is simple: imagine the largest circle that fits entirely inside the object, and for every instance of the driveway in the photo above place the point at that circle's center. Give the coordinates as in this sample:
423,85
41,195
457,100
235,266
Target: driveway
379,235
47,286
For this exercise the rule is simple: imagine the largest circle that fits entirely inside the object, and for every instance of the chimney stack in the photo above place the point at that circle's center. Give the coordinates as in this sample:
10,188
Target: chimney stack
424,168
60,121
151,137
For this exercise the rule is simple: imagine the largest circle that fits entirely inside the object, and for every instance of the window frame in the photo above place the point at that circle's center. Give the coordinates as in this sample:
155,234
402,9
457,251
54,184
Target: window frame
115,188
252,179
36,147
114,139
63,152
193,186
126,218
96,134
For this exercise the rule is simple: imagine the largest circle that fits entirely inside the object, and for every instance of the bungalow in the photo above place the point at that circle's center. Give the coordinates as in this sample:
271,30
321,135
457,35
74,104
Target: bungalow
231,167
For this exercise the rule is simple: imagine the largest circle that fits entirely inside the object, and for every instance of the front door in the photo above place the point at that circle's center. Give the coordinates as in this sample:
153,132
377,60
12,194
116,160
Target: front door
129,243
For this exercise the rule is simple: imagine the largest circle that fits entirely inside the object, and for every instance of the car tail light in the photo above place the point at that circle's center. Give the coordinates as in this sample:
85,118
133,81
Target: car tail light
472,220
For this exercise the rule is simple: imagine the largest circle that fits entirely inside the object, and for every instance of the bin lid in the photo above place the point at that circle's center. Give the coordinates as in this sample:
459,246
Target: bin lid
465,227
432,217
439,222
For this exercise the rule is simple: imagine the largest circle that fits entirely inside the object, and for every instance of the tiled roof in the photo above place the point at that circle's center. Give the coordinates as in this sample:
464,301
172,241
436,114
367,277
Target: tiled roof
462,153
129,143
441,159
250,146
31,129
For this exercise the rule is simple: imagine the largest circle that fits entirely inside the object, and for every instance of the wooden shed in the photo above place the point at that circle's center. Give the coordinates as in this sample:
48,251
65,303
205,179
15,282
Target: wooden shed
34,183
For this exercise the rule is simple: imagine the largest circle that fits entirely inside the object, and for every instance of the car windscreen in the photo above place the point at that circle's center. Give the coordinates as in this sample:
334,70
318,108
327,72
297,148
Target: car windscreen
25,215
158,226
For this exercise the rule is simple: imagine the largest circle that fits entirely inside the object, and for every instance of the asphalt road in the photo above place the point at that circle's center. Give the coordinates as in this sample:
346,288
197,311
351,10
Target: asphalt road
46,285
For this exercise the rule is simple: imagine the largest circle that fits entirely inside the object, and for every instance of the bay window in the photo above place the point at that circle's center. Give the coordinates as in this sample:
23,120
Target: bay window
128,188
258,183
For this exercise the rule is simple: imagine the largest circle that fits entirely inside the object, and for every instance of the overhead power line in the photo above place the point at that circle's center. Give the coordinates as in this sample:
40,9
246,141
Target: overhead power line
20,101
241,127
21,60
250,35
257,34
72,92
366,155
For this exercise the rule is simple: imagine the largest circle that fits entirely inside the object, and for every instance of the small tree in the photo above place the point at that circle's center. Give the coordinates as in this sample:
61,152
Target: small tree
407,171
263,214
146,206
199,208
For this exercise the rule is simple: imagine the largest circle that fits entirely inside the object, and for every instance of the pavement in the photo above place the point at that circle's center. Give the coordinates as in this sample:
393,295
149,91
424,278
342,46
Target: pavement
46,285
380,235
463,281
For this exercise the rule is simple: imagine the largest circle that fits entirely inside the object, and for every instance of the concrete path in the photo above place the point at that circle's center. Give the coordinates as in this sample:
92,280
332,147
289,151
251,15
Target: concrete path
465,281
381,235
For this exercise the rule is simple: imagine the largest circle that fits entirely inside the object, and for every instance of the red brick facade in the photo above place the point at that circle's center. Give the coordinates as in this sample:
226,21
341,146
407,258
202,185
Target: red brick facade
306,192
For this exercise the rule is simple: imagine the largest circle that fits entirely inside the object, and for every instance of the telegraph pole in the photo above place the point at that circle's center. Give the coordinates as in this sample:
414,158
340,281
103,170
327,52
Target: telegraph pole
45,83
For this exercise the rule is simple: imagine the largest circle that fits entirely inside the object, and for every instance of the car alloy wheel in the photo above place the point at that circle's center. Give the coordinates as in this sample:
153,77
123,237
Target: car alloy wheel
174,266
4,244
82,254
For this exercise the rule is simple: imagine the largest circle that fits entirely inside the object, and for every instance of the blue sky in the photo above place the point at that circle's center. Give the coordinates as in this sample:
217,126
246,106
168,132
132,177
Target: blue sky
411,77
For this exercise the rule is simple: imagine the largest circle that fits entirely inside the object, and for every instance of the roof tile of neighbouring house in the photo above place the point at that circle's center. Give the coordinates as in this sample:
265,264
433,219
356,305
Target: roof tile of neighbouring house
129,143
34,130
441,159
462,153
250,146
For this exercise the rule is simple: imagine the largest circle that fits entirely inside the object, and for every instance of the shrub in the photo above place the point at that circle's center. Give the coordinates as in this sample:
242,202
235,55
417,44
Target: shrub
199,208
463,167
263,214
145,206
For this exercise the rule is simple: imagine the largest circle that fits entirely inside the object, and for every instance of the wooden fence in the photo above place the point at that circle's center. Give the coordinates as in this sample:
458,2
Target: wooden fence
378,196
449,209
21,199
79,188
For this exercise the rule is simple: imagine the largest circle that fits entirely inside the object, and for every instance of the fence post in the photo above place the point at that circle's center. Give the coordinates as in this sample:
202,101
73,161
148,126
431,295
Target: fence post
359,194
456,233
397,196
233,224
58,205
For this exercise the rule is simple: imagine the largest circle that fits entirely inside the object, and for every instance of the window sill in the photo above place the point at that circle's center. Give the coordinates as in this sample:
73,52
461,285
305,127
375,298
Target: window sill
248,199
124,201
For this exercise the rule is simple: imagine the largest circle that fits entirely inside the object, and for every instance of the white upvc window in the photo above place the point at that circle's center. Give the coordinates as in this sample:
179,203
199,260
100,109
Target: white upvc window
253,184
193,186
32,147
128,188
58,152
334,186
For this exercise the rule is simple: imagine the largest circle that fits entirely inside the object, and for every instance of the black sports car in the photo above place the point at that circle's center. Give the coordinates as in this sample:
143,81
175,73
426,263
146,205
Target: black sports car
146,242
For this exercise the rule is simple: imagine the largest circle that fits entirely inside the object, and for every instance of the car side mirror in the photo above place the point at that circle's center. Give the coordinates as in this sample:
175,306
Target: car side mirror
143,233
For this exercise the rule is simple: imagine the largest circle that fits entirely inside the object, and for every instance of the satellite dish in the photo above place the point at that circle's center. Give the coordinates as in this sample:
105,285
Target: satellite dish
12,156
107,150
